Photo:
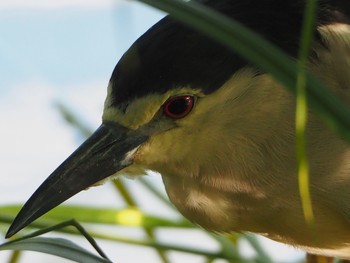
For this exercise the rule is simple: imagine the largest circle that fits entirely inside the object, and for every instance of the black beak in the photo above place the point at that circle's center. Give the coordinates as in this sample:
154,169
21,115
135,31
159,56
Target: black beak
101,155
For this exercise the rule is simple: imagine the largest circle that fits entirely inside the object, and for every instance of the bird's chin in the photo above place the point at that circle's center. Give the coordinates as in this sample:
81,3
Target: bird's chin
132,171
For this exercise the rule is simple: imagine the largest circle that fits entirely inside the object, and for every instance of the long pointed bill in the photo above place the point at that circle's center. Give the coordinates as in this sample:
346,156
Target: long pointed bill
107,151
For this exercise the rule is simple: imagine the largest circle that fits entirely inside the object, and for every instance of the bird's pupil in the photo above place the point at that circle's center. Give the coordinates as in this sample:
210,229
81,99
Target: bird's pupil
178,106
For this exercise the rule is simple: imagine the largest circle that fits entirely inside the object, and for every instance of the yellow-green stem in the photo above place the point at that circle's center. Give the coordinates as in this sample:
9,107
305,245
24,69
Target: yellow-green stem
302,111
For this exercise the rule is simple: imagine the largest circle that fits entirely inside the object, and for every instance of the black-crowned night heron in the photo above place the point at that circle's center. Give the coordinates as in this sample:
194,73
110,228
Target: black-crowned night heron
220,131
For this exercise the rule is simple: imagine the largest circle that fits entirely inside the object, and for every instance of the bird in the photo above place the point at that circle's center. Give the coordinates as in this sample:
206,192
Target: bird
221,131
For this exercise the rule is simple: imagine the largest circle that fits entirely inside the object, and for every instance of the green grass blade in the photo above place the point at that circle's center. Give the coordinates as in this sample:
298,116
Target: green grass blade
54,246
229,253
252,240
302,111
156,192
129,199
132,217
15,256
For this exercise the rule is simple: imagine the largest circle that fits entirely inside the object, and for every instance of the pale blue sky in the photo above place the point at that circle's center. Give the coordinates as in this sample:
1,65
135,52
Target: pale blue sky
67,45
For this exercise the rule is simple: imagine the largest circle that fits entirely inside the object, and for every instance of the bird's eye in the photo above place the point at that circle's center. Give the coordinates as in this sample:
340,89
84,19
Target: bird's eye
179,106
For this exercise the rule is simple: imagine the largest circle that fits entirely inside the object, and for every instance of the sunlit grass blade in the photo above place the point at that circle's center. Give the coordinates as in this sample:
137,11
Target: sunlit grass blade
128,198
160,195
235,257
58,246
14,257
302,111
58,227
252,240
105,216
73,120
131,217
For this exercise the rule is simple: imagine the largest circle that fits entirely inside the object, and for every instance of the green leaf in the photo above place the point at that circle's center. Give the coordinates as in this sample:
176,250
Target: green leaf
54,246
301,117
132,217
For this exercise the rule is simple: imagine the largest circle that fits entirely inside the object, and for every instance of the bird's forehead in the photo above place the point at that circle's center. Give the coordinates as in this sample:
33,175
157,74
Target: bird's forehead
171,55
140,111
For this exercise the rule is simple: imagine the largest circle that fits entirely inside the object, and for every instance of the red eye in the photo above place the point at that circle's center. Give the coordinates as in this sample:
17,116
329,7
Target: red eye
179,106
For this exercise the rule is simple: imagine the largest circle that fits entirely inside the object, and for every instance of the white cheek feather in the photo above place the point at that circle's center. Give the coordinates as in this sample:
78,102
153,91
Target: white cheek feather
129,156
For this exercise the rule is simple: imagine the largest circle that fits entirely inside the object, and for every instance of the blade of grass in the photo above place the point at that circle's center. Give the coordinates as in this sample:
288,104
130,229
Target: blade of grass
252,240
146,243
73,120
227,251
66,248
102,215
160,195
122,189
60,226
131,202
302,111
54,246
15,256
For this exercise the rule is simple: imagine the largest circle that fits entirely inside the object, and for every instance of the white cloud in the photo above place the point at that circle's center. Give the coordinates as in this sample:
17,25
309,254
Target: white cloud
54,4
33,138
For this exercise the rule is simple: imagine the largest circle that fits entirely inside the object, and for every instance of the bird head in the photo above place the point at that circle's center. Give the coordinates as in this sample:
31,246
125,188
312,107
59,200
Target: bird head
181,104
